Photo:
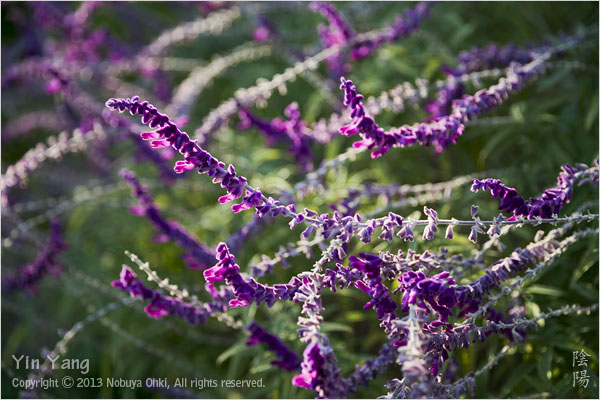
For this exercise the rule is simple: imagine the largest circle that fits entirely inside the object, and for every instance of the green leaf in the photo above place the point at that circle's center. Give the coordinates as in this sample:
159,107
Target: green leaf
544,290
230,352
335,327
544,366
518,373
591,115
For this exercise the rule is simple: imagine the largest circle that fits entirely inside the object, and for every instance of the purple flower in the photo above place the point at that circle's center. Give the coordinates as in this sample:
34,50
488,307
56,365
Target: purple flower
293,131
168,134
489,57
449,232
337,33
226,267
439,293
246,290
441,132
288,359
161,305
198,254
45,263
432,222
341,277
361,123
370,265
444,98
265,30
403,26
428,293
312,367
551,201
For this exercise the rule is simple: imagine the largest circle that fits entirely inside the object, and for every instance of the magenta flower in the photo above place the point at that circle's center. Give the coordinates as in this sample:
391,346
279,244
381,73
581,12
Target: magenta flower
440,132
168,134
161,305
337,33
312,367
246,290
293,131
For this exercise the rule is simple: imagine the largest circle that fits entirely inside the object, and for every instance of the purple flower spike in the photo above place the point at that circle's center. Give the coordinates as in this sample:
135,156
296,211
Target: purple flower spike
552,200
444,98
246,290
168,134
370,265
198,255
403,26
161,305
361,123
312,367
433,293
491,56
224,268
288,359
293,131
337,33
45,263
440,132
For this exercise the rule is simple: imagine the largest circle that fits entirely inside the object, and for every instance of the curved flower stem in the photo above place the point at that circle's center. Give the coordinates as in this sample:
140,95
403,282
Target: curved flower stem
457,388
263,90
532,272
61,346
574,309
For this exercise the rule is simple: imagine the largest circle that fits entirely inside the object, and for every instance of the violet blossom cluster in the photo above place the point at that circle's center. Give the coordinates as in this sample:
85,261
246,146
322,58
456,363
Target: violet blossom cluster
551,201
312,368
337,33
492,56
372,284
416,296
403,26
161,305
168,134
246,290
292,130
477,59
442,105
198,255
45,263
481,59
288,359
441,132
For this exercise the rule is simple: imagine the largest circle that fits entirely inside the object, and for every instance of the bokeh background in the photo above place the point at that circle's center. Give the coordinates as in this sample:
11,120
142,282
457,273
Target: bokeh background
551,122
